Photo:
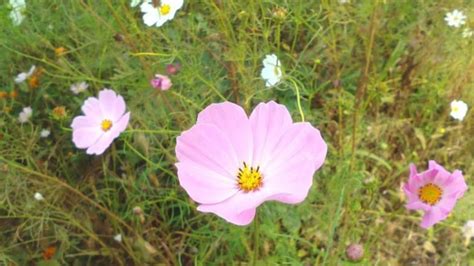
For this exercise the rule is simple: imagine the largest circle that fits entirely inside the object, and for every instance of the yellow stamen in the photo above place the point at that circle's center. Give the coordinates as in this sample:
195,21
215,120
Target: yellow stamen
249,178
430,194
455,109
165,9
106,125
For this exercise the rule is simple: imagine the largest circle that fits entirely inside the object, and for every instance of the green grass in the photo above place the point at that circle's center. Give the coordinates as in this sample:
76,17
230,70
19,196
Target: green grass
376,77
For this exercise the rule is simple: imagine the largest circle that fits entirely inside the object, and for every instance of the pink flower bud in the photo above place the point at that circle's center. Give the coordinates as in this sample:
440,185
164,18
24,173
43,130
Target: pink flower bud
355,252
173,69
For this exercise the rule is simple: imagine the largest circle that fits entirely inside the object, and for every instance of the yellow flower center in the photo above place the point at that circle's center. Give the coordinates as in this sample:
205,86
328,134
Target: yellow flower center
106,125
455,109
165,9
430,194
249,178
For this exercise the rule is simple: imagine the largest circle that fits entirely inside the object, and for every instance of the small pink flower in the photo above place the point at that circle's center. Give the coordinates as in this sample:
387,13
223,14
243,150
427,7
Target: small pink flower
230,163
104,120
161,82
435,191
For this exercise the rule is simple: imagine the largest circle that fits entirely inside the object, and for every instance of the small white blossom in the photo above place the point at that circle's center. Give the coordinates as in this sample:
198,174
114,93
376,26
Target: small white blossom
118,238
455,18
45,133
24,75
159,15
77,88
467,33
458,110
25,115
38,196
18,7
135,3
344,1
271,71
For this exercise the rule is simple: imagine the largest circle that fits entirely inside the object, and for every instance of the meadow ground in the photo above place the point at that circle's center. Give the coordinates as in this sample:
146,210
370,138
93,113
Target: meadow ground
376,77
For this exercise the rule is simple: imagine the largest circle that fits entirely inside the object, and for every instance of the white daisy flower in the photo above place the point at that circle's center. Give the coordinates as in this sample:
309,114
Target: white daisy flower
135,3
25,75
25,115
45,133
458,110
118,238
467,33
271,71
77,88
18,7
455,18
158,15
38,196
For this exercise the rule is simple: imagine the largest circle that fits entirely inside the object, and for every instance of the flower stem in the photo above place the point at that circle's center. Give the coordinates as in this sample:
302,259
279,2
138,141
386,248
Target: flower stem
255,239
298,98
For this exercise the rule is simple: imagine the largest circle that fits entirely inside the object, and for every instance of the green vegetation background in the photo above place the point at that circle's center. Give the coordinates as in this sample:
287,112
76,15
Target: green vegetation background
376,77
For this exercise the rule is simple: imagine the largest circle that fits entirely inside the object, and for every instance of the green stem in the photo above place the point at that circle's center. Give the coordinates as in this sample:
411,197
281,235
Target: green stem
255,240
298,98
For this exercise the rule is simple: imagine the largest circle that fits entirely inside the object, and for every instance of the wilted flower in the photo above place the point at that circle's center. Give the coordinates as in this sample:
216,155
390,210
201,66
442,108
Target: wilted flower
271,71
435,191
458,110
59,112
161,82
118,238
38,196
25,75
77,88
45,133
60,51
173,69
104,120
158,15
3,94
18,7
355,252
467,33
25,115
230,163
455,18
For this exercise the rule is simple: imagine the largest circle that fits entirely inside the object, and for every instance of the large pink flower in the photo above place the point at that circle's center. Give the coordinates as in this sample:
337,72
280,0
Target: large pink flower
435,191
231,163
104,120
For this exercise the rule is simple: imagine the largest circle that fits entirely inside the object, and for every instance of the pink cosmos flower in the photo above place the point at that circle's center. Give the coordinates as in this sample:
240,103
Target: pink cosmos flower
104,120
161,82
230,163
435,191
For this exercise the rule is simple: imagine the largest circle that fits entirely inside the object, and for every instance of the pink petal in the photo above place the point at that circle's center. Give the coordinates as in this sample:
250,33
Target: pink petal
108,137
413,171
300,140
231,120
112,105
91,109
418,205
432,217
85,132
239,209
447,203
434,165
208,146
205,185
455,185
269,121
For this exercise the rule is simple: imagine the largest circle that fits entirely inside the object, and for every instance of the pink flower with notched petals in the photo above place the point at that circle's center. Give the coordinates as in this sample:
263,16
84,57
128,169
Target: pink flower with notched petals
104,120
230,163
435,191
